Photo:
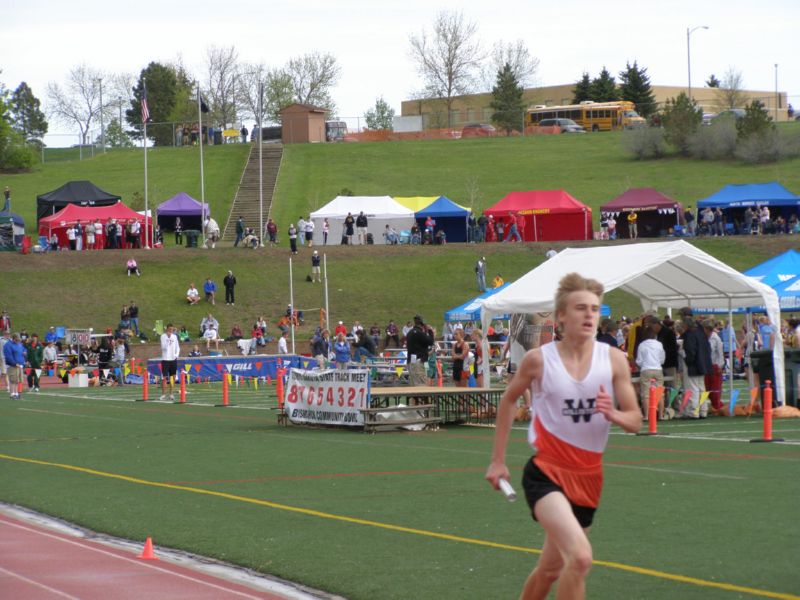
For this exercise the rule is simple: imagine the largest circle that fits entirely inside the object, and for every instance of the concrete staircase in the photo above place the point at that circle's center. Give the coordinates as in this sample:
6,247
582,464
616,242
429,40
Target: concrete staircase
246,202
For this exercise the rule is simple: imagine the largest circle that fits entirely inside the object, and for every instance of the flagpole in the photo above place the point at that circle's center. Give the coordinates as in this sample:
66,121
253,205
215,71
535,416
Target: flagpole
260,162
144,148
202,179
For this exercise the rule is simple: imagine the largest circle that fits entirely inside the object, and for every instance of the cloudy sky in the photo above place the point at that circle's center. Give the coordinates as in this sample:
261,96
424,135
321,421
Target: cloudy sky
42,39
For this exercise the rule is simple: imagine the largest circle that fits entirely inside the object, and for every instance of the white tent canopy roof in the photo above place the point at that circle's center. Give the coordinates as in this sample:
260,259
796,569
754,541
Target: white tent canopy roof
662,275
376,207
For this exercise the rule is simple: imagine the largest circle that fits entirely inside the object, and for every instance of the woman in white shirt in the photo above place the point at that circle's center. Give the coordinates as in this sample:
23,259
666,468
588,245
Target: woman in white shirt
650,357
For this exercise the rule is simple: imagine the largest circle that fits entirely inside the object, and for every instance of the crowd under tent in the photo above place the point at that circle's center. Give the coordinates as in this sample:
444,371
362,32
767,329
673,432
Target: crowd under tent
545,215
663,275
71,214
449,216
82,193
379,210
656,213
182,205
734,199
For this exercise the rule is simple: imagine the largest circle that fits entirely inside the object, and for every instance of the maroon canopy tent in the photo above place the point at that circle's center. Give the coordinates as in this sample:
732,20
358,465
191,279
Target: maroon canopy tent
657,213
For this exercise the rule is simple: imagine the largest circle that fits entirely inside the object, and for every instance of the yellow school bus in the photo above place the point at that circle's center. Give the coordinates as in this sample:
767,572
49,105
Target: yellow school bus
594,116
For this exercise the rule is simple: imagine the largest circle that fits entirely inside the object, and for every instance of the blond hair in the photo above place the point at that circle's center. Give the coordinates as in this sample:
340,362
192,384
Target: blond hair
573,282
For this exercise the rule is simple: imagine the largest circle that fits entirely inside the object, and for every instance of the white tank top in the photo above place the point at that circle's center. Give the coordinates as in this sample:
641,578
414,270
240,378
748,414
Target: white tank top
565,407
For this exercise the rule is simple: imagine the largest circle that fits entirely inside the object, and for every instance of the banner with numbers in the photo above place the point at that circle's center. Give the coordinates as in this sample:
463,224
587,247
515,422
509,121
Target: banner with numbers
327,397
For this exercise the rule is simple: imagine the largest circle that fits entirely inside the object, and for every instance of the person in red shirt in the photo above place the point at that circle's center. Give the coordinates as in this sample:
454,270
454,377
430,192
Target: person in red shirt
340,328
574,383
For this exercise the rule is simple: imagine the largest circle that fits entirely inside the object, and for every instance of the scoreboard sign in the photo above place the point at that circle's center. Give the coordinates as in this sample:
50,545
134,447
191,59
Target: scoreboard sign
78,337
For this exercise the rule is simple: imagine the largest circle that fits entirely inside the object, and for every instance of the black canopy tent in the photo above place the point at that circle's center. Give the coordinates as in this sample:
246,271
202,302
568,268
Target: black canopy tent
82,193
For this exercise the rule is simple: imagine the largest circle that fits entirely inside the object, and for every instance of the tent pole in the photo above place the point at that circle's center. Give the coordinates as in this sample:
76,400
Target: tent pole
731,347
325,266
291,302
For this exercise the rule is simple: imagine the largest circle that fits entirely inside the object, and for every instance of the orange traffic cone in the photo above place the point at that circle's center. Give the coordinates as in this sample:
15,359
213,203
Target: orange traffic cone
147,553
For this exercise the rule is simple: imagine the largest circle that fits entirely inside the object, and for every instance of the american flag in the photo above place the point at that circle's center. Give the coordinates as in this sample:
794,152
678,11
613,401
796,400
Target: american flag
145,108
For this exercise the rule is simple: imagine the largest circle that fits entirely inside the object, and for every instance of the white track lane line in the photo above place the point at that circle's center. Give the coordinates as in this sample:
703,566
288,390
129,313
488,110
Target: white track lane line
38,585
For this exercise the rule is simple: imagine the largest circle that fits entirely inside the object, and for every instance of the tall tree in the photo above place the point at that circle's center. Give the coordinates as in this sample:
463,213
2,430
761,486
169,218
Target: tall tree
523,64
507,103
582,90
380,116
14,153
681,118
313,77
221,70
729,93
116,136
278,94
634,86
447,58
756,121
604,87
78,102
161,98
712,81
27,116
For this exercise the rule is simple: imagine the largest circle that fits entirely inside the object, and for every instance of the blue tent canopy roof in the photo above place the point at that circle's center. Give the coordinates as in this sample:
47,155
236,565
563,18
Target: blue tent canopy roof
778,269
751,194
449,217
442,207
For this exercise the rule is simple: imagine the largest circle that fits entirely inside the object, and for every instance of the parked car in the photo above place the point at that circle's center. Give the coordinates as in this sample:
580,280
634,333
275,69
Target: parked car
731,113
478,130
566,125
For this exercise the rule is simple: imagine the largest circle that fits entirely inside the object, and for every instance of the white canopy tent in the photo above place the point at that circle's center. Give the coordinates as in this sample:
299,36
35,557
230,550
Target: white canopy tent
380,211
662,275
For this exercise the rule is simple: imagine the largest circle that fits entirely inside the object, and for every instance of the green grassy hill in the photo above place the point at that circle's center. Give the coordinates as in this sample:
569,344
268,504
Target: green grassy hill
169,170
593,168
370,284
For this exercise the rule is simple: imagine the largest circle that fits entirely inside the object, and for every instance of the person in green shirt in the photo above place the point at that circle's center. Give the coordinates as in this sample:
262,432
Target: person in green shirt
35,353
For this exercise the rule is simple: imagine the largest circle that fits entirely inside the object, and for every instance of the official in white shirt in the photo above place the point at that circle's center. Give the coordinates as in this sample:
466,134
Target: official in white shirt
650,357
170,351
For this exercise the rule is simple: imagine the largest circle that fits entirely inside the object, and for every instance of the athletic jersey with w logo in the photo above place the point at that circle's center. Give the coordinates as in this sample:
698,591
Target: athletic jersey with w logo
566,430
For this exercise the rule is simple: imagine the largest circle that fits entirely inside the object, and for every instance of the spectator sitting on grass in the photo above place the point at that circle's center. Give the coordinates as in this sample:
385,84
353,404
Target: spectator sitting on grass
210,335
236,332
210,289
183,334
207,323
133,267
192,295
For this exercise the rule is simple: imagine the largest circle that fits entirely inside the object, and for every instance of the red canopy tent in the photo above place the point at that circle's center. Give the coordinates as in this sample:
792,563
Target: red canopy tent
656,212
545,215
72,213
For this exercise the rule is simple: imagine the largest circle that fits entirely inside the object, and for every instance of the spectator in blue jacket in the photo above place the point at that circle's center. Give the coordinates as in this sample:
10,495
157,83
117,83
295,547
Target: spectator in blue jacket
210,288
14,355
341,350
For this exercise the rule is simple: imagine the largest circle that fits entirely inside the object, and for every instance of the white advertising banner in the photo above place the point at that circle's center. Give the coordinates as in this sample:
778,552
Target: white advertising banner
327,397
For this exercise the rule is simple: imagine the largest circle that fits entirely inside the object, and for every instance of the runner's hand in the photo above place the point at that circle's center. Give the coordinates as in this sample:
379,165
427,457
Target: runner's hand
495,473
604,403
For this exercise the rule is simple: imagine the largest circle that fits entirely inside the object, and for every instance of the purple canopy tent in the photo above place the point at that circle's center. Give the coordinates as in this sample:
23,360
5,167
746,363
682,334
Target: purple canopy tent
184,206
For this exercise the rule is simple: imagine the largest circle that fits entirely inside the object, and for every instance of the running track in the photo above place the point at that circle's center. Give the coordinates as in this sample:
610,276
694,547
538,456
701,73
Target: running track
39,563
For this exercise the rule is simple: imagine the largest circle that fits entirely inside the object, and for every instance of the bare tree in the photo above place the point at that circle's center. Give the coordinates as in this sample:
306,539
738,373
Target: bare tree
221,67
313,76
447,58
729,93
277,91
78,101
523,64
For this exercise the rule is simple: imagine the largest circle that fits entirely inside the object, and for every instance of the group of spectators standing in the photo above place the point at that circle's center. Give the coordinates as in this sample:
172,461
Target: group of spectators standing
690,355
111,235
486,228
756,220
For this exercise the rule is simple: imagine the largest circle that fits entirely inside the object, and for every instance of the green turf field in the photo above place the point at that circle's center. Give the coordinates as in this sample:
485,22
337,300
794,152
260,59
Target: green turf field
697,514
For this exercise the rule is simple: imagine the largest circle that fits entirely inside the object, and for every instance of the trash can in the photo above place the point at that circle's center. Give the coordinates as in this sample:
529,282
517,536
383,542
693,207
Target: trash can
217,137
25,247
761,360
191,237
792,367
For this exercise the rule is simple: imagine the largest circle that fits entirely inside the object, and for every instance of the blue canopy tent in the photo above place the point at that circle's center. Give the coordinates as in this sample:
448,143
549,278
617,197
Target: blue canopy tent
735,199
449,216
781,273
471,310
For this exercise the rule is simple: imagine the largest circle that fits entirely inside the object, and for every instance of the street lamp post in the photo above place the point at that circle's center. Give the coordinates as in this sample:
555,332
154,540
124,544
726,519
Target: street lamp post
777,97
689,32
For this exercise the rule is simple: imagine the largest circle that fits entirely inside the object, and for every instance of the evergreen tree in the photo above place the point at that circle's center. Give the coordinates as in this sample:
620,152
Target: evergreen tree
27,117
162,87
582,90
380,116
681,119
116,136
712,81
634,86
756,121
509,108
604,88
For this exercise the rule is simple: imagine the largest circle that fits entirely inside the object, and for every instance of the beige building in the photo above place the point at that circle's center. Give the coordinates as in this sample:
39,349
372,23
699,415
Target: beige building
302,123
474,108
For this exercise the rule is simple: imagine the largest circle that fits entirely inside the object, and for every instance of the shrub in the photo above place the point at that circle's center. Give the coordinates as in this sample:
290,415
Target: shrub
18,158
644,142
715,141
681,118
762,148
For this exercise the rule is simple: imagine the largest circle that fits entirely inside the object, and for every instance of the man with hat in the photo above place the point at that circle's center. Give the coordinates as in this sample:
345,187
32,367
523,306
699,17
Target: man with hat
697,364
418,344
